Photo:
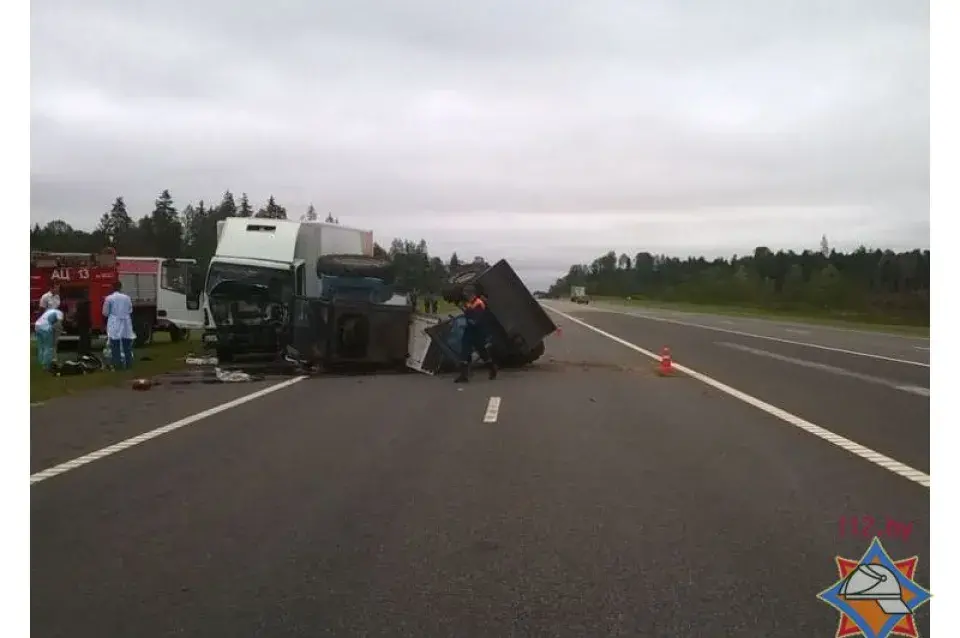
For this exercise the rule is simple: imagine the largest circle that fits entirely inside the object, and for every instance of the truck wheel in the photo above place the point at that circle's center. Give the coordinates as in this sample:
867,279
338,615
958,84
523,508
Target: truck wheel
224,356
143,328
356,266
453,291
176,334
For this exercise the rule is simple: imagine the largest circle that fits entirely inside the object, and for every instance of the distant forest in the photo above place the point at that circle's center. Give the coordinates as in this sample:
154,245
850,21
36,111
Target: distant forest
869,285
866,284
168,232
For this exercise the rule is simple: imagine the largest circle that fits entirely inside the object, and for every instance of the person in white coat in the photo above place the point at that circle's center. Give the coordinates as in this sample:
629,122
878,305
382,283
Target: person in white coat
118,310
50,300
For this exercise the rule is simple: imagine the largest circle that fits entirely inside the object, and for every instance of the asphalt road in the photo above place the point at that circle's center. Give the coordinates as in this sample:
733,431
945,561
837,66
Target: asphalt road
878,344
598,500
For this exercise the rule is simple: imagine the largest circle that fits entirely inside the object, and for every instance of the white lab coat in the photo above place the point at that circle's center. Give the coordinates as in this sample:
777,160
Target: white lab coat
118,309
49,301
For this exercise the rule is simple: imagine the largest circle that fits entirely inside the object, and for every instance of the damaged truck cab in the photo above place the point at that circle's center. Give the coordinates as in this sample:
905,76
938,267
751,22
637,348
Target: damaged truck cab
259,267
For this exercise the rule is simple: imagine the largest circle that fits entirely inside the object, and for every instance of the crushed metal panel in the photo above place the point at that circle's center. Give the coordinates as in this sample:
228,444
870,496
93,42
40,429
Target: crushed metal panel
424,355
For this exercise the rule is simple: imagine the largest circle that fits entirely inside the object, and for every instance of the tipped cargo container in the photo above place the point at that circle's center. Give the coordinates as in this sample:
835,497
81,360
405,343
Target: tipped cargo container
519,323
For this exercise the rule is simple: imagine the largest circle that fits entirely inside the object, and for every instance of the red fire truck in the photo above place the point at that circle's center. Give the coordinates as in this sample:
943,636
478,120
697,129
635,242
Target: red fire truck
81,276
159,289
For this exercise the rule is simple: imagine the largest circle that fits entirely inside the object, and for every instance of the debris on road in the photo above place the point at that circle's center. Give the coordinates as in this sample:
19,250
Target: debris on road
84,364
193,360
232,376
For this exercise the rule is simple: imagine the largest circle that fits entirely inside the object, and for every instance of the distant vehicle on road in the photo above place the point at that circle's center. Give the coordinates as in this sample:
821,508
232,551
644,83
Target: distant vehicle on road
578,294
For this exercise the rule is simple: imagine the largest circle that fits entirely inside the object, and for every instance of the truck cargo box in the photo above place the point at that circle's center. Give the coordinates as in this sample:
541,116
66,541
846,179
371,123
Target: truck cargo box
520,324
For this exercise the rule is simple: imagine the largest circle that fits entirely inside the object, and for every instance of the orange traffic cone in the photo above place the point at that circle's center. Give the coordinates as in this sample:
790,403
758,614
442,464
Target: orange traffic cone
666,363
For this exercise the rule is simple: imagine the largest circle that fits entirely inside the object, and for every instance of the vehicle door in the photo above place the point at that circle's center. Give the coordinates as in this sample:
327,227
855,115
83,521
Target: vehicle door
178,300
423,355
309,334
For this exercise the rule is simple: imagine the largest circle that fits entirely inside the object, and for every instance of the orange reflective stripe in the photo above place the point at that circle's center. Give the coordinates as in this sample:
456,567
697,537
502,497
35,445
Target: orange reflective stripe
476,304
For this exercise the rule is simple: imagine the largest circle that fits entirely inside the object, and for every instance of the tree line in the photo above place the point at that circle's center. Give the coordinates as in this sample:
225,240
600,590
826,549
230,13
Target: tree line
867,284
192,232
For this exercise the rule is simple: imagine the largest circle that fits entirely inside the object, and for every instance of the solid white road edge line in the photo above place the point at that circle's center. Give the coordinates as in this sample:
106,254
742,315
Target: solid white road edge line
493,410
152,434
767,337
843,443
843,372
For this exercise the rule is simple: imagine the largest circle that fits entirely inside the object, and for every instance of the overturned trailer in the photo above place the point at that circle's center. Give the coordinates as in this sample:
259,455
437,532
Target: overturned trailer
358,319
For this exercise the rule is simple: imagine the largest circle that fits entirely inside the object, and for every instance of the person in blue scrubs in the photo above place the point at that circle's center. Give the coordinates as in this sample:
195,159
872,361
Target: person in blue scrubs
45,330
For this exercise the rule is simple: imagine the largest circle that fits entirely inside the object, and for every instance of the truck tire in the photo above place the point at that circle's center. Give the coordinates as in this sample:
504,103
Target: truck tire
224,356
143,328
453,291
176,334
356,266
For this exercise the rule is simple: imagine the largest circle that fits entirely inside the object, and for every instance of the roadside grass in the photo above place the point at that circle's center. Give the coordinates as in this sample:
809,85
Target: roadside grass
160,356
853,322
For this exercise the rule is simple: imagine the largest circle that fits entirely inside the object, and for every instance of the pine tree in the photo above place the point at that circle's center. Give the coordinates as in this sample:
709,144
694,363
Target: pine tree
310,215
227,207
188,218
245,210
272,210
164,228
116,226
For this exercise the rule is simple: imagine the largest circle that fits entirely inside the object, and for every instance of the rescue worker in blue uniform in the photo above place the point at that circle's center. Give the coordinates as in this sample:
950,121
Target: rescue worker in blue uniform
475,335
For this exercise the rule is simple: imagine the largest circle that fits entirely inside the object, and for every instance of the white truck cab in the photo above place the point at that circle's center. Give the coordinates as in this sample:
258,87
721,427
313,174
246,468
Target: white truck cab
260,263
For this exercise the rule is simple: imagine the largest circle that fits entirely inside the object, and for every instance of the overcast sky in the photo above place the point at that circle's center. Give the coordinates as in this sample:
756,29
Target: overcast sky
545,131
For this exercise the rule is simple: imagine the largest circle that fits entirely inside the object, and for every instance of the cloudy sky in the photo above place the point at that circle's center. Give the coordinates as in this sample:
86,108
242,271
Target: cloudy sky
546,131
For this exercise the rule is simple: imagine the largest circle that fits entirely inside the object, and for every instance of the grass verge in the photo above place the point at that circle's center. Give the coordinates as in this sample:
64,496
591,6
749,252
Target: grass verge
159,357
853,323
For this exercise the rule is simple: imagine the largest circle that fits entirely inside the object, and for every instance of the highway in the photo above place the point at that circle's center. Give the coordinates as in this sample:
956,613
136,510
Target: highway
586,496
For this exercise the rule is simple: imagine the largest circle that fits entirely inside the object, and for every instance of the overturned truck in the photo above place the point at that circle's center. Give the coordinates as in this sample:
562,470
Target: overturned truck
359,320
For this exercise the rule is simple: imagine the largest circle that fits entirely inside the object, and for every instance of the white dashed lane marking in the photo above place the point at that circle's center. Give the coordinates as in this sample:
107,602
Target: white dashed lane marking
842,372
493,410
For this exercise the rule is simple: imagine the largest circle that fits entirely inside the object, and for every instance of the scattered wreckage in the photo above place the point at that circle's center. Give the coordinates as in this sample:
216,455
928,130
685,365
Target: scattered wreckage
360,321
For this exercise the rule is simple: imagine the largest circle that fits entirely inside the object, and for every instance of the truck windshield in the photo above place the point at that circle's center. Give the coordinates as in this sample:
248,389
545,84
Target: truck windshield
246,294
